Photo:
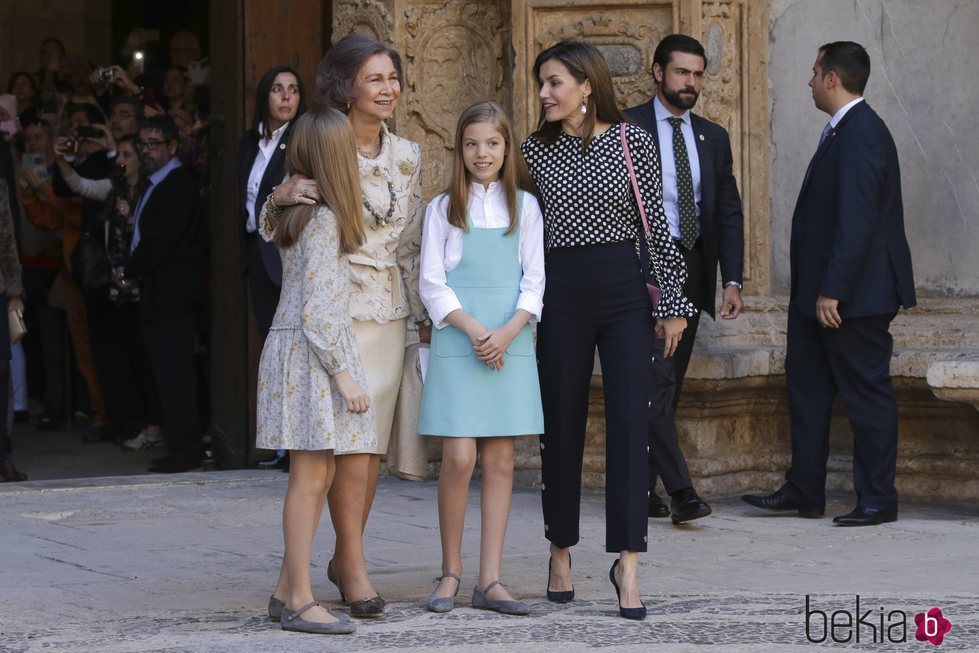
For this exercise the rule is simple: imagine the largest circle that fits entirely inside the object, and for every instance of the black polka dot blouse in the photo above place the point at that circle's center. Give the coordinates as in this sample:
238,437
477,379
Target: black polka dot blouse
588,200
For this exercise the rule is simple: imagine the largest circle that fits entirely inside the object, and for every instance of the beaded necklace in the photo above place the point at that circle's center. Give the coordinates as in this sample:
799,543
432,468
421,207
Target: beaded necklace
380,220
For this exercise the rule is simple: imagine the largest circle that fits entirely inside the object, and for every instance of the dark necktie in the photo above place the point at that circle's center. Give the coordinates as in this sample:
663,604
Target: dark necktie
826,131
684,187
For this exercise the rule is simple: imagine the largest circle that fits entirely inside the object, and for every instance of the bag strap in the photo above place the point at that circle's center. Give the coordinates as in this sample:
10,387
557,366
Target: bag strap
632,178
653,261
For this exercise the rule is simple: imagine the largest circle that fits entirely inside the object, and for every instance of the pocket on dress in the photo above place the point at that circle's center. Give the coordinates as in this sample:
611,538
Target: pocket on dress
451,342
523,344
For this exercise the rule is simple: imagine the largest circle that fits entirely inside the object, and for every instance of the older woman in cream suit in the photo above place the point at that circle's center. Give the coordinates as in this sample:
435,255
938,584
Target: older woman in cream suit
363,78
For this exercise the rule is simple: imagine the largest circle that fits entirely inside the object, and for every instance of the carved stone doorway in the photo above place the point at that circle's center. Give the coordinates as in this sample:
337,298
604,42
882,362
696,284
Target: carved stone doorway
458,52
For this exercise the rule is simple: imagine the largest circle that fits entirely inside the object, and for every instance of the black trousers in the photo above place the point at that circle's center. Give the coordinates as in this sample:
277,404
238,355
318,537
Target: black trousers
666,459
853,360
170,344
264,294
595,296
123,366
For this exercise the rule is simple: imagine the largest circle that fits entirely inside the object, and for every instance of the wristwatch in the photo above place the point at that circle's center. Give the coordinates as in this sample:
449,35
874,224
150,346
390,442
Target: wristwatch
734,283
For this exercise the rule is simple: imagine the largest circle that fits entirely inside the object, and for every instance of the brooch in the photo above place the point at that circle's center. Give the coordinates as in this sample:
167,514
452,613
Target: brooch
406,168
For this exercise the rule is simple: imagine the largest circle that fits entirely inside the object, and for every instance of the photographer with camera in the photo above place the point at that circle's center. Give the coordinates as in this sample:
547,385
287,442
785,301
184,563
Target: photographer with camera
81,150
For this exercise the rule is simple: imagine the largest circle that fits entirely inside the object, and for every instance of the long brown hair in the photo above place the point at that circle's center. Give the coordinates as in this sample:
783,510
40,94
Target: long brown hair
513,175
584,62
321,147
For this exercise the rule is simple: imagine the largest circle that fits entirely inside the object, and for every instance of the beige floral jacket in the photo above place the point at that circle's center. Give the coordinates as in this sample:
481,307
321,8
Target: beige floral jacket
384,271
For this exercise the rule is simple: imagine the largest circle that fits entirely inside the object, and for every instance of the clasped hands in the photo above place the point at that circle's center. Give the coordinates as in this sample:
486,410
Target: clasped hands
490,345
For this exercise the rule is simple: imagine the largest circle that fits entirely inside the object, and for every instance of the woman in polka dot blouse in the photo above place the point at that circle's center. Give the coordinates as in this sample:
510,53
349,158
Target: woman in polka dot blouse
595,295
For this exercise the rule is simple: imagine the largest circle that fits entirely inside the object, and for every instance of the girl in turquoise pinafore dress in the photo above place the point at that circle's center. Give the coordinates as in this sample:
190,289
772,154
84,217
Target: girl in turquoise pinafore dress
482,281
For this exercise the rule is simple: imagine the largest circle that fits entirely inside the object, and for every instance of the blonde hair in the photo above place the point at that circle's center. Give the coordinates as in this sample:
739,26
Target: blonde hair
322,147
513,175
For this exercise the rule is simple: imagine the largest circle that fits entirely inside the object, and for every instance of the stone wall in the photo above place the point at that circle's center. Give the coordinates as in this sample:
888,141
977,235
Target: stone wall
922,83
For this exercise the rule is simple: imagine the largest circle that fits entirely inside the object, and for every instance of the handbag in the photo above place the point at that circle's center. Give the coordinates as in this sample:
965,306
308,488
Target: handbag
15,320
649,272
90,264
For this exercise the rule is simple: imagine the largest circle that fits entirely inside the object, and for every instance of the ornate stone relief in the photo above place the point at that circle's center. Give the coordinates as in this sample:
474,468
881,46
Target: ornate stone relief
626,39
372,17
454,56
721,98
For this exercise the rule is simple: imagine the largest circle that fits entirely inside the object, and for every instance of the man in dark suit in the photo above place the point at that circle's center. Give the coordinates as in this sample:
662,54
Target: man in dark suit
851,271
704,211
167,257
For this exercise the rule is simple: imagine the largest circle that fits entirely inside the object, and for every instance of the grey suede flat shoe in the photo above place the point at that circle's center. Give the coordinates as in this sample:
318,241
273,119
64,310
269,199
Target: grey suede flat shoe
293,621
483,602
443,603
275,608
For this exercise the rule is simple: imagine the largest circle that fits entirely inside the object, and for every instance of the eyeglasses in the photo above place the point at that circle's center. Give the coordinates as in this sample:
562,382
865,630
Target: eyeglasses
149,145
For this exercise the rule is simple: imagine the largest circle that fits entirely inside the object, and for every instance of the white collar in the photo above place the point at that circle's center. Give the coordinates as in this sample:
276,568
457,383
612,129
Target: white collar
276,135
477,188
838,116
662,113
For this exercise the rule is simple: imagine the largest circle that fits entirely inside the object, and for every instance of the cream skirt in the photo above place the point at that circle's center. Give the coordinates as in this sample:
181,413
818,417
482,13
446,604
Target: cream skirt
382,349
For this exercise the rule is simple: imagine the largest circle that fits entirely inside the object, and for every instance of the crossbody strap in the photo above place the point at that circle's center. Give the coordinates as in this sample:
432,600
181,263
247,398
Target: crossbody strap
632,178
653,260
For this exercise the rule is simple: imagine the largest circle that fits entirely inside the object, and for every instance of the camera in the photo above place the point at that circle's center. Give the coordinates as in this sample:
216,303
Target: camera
107,74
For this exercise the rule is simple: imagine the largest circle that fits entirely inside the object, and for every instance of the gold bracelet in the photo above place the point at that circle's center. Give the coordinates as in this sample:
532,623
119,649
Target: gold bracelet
272,209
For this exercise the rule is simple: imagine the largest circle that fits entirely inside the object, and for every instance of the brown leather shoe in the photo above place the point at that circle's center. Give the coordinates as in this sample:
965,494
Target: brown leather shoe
10,473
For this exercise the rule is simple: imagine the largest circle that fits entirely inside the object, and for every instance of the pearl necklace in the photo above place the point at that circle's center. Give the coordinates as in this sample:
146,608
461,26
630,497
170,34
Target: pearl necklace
372,151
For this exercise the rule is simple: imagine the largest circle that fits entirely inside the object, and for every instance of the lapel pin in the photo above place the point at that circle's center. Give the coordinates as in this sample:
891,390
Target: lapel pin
701,136
282,146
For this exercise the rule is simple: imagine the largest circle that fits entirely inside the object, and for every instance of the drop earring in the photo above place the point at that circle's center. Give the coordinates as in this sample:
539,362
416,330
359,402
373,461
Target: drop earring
584,104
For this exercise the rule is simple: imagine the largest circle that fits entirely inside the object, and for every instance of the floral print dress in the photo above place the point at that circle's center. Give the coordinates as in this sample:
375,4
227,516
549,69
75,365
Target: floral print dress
311,340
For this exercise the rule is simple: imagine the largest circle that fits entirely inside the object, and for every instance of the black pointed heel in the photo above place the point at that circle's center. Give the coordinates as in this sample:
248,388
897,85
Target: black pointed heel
629,613
563,596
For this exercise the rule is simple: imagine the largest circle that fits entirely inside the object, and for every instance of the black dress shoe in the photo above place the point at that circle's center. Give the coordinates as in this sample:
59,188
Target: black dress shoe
686,506
657,508
866,516
10,473
275,462
778,502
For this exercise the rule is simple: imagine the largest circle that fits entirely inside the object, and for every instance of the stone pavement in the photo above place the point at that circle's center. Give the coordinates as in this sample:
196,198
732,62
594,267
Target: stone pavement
186,563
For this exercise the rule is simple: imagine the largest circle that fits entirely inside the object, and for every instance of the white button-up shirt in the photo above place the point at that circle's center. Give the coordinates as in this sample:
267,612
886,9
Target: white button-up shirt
266,148
442,249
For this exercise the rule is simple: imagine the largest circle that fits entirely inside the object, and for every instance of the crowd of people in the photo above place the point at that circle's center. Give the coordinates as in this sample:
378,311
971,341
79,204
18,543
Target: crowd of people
101,257
605,228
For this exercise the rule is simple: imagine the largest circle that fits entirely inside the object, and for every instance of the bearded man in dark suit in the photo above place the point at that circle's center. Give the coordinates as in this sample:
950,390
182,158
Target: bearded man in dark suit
703,208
